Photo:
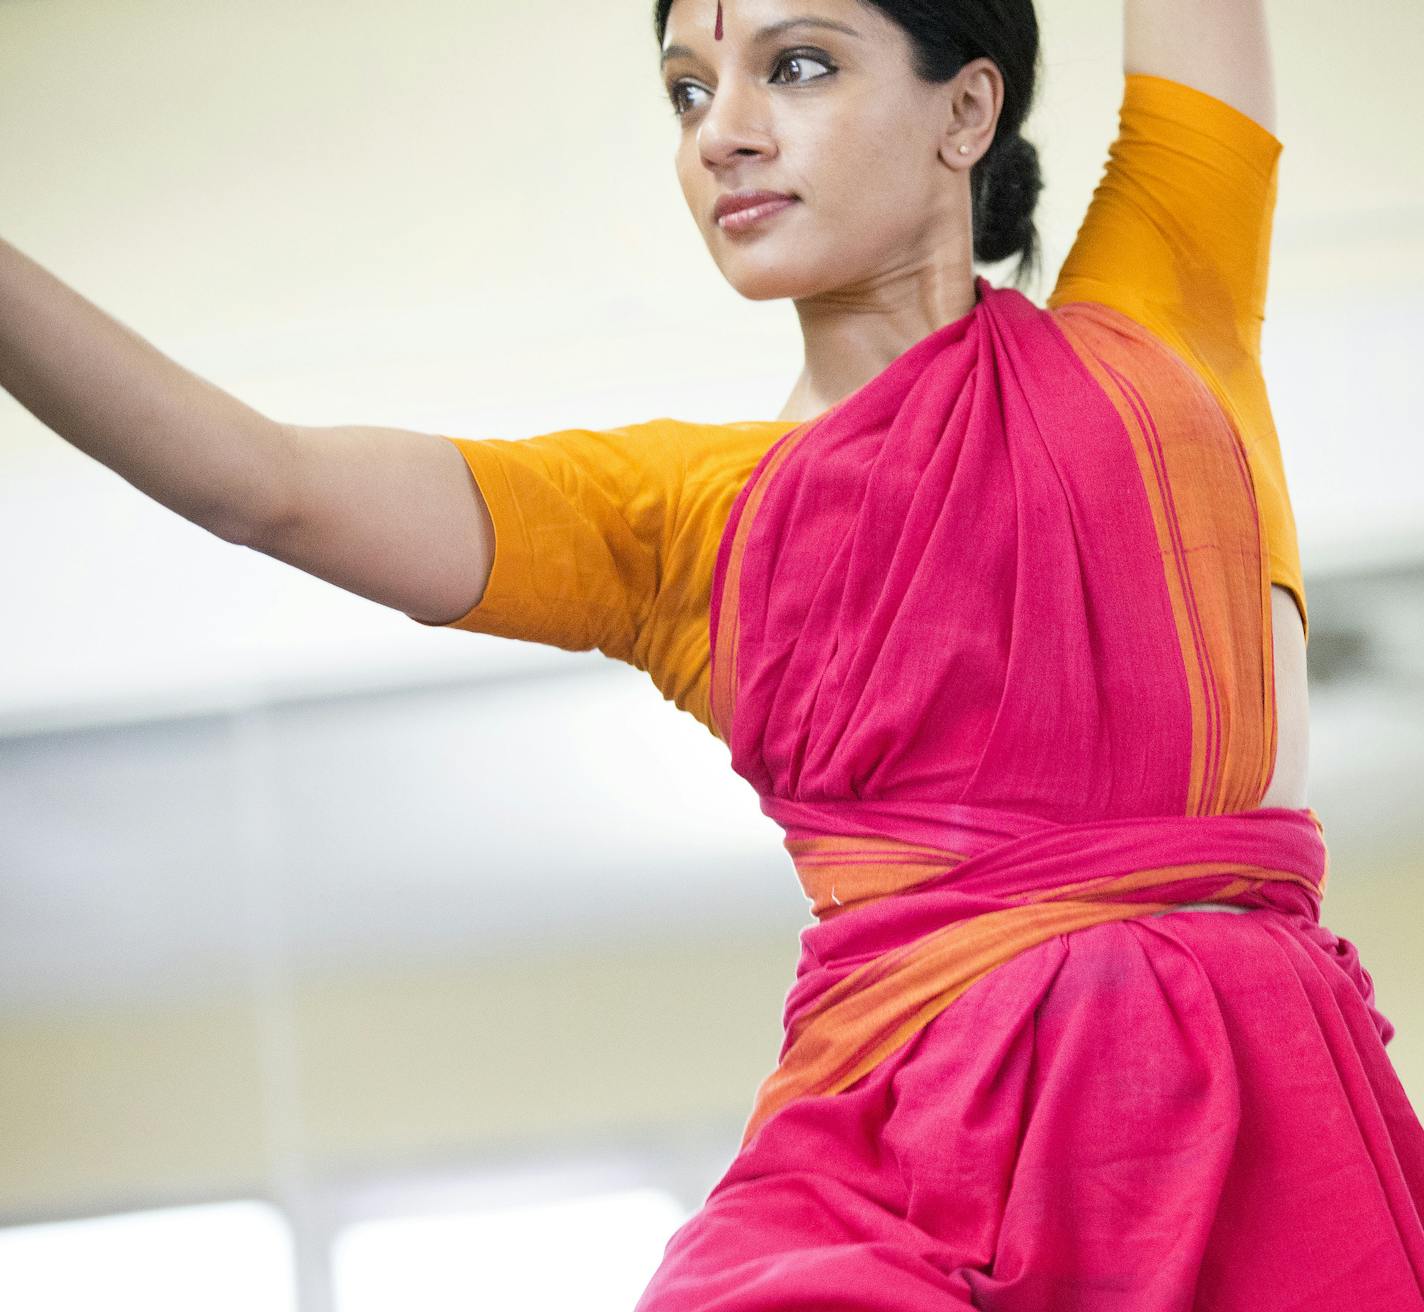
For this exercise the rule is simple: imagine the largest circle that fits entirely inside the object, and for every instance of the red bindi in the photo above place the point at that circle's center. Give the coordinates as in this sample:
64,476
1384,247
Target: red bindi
717,31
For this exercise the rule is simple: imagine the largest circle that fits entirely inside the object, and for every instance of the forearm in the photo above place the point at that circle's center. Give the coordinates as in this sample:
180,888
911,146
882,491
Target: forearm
173,435
1221,47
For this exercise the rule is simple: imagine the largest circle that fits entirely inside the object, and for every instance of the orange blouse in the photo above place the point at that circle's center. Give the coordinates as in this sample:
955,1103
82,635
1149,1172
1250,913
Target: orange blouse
608,539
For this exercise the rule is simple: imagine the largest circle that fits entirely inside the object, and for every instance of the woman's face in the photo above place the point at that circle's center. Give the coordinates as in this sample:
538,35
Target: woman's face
818,101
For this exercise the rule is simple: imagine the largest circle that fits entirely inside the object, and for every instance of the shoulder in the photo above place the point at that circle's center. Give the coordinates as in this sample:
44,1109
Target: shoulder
1178,234
1158,108
639,458
710,456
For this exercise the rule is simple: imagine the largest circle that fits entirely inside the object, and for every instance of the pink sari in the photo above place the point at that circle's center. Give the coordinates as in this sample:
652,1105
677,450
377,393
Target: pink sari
992,641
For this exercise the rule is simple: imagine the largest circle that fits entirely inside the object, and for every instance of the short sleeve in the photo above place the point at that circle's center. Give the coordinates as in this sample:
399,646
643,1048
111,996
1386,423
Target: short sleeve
1178,239
607,540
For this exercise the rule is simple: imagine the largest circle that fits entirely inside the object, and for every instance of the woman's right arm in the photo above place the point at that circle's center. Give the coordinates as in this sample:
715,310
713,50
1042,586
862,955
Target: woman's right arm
389,514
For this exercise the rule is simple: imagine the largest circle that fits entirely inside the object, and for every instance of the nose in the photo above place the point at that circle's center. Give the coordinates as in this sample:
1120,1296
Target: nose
735,127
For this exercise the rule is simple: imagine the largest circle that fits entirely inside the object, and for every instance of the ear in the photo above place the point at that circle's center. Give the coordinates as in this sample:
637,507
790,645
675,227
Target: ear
976,98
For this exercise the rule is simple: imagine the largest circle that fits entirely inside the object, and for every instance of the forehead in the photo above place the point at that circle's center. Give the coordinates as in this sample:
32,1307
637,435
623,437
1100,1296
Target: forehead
749,19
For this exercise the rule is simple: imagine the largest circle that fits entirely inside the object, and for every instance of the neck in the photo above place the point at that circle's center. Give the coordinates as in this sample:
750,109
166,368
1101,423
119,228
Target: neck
854,333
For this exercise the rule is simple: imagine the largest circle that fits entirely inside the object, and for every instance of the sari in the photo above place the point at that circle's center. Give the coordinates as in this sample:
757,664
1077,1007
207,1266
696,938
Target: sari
992,641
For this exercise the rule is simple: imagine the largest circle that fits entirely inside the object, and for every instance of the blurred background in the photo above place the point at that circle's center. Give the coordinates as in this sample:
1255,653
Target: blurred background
348,965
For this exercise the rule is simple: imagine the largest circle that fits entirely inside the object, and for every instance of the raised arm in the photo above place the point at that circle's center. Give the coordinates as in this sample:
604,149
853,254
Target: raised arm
392,515
1178,236
1221,47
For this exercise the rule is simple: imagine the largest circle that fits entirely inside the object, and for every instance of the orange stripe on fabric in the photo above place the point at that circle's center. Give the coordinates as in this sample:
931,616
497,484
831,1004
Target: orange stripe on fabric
724,674
1190,622
1270,711
865,1017
840,873
1245,877
1150,482
1210,534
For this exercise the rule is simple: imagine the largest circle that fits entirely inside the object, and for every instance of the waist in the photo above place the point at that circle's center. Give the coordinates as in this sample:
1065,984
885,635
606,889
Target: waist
853,854
907,922
1205,906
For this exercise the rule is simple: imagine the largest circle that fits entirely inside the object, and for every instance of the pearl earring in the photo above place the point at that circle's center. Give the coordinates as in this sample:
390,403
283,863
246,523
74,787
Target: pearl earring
963,150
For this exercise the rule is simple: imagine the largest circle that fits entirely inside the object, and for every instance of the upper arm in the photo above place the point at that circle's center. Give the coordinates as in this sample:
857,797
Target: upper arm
385,513
579,539
608,539
1220,47
1178,235
579,519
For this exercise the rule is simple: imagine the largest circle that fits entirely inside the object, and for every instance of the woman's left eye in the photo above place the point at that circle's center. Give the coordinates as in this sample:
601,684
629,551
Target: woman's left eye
797,64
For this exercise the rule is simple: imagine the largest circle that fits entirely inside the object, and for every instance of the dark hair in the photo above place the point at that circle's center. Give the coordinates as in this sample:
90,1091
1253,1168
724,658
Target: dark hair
947,35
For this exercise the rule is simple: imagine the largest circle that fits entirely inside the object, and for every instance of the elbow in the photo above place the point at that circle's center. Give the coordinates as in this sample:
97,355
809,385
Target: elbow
240,531
257,513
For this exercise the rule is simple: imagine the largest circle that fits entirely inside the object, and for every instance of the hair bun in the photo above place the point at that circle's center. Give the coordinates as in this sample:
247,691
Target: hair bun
1006,186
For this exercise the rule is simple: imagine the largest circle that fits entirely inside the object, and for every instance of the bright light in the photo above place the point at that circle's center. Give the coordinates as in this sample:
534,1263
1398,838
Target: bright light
594,1254
226,1257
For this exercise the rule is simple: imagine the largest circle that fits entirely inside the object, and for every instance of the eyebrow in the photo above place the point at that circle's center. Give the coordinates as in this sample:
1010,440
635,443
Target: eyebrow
774,29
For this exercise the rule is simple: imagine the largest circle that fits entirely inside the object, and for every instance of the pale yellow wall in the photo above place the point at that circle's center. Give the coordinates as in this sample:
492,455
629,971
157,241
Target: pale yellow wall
132,1106
1378,904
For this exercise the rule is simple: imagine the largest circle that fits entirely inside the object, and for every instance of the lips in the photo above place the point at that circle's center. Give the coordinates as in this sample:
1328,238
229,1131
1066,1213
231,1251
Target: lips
735,201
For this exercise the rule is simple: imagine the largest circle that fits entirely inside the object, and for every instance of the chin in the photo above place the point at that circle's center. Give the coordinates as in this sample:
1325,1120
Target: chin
774,280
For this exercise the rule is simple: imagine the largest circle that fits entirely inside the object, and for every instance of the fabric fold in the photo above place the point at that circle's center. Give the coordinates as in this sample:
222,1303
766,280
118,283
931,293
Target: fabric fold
880,965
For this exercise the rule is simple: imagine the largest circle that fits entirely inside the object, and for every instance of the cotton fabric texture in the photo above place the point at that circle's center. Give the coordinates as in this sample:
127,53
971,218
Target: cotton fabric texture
991,638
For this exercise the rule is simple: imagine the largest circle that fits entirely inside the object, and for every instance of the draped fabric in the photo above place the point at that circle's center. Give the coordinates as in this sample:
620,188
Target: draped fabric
1021,569
872,981
991,639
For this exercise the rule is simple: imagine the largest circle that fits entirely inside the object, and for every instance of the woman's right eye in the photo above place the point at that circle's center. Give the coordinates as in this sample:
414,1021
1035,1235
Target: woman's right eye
683,95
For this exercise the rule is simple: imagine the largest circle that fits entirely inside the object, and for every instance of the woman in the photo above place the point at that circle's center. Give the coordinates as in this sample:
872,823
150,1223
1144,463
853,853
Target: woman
1003,619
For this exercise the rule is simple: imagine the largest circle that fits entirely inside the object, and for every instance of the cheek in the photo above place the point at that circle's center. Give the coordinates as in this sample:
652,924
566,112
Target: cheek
870,189
869,156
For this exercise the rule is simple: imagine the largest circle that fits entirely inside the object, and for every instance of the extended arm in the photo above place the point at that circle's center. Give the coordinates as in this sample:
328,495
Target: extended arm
1220,47
389,514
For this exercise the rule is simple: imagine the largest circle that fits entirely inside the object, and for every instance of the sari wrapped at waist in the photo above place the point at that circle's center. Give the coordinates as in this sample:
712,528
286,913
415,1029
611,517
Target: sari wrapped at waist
915,904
